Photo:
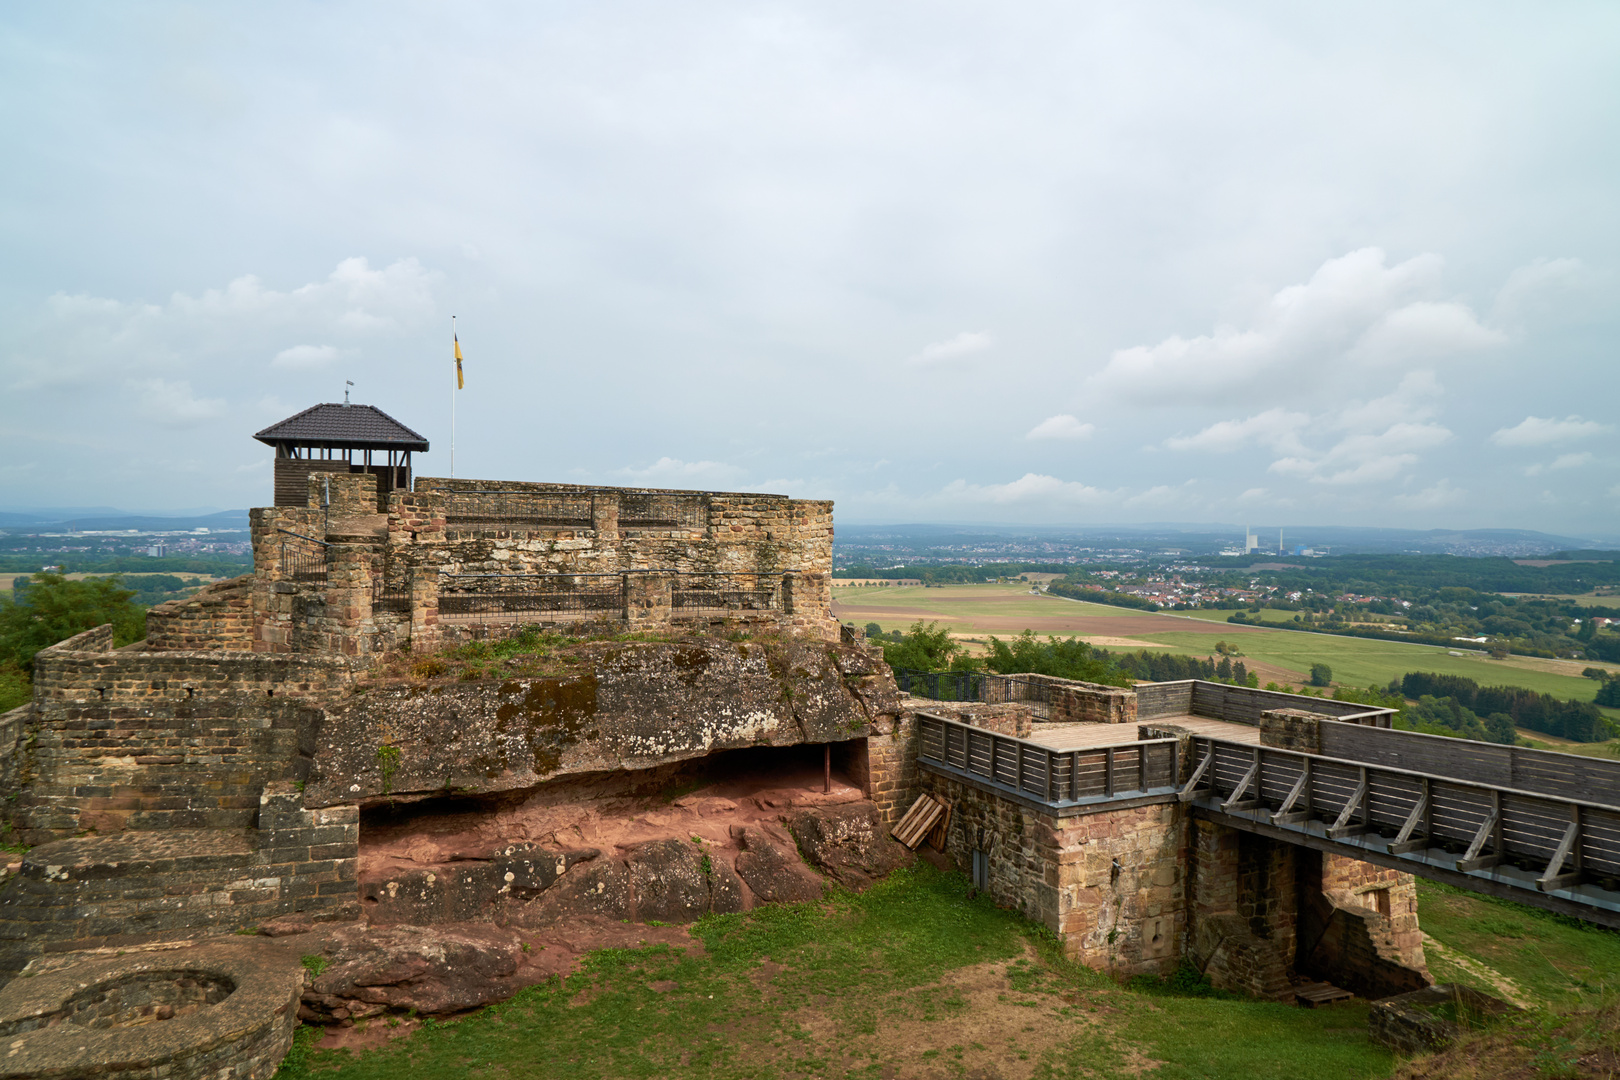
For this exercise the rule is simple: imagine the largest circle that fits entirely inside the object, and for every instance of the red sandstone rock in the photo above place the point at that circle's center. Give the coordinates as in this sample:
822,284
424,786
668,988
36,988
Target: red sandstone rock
850,842
772,871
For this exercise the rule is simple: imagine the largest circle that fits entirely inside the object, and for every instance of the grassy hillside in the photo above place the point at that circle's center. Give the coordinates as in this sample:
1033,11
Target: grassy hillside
915,979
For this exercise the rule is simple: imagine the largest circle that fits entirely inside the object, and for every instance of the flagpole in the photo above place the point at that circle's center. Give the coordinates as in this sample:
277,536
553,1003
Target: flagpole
453,404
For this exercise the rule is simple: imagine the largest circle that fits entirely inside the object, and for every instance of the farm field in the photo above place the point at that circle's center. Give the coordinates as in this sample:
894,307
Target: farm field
1280,655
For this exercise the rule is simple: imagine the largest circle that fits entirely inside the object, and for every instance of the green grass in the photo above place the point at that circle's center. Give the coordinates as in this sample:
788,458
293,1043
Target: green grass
909,978
1363,662
1556,960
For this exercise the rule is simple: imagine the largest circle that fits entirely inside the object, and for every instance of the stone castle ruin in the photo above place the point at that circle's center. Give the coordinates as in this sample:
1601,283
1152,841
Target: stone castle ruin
443,711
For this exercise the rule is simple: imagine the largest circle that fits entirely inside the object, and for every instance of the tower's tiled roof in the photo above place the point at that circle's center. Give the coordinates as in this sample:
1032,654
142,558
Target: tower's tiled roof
357,427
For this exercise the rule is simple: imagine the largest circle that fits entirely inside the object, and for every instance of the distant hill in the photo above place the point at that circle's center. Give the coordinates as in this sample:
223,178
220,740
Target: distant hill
104,518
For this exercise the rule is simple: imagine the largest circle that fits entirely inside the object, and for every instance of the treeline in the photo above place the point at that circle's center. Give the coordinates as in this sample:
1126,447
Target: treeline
951,573
1579,721
1494,574
52,609
1117,599
213,565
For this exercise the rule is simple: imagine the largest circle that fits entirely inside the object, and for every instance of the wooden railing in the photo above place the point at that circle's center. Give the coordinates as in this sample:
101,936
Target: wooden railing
1057,778
1564,841
1243,704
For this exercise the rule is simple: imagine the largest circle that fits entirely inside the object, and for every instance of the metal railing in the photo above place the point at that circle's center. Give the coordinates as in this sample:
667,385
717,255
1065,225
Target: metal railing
643,510
1482,826
536,596
300,563
518,509
1057,778
724,594
396,600
522,508
978,686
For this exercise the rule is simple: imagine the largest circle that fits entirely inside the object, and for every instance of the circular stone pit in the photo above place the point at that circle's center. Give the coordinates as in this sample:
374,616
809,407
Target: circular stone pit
218,1011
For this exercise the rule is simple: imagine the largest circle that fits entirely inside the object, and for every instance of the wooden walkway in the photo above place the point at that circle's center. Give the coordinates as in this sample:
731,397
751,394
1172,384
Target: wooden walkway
1535,847
1089,736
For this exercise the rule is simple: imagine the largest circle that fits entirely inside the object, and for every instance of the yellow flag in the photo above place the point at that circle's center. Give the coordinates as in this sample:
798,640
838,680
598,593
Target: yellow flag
460,382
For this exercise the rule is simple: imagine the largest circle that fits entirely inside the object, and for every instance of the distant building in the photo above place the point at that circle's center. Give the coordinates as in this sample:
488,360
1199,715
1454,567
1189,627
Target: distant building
158,550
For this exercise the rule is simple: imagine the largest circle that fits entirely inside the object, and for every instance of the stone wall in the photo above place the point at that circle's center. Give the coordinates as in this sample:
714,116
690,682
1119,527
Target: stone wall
1359,926
483,533
218,616
1075,702
110,891
125,738
1263,908
1109,883
1244,910
1293,729
891,761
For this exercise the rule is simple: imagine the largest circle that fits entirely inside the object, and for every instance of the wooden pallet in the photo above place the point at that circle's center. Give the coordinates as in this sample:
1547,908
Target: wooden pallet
923,816
1315,995
941,831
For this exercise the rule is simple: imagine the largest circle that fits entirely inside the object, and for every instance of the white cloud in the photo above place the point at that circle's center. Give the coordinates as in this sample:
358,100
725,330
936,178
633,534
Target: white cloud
1571,461
1424,329
1439,494
306,356
1061,427
1254,495
1536,431
668,470
85,340
1354,311
1277,428
1407,402
173,404
1530,288
964,344
1028,487
1366,458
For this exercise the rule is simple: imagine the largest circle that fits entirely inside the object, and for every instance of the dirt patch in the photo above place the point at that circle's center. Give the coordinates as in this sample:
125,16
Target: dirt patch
1505,987
977,1022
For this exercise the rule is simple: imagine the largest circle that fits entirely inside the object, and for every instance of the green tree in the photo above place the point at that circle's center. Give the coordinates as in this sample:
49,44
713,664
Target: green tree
1321,675
924,648
53,608
1609,694
15,688
1068,658
873,631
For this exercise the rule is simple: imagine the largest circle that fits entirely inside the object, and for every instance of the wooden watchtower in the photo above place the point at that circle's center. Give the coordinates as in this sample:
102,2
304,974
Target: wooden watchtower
338,438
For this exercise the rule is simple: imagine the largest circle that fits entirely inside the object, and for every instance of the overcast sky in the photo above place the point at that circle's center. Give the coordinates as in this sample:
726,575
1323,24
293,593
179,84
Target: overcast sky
1045,262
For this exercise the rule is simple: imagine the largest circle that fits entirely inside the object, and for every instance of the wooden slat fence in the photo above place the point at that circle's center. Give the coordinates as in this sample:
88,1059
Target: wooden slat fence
1542,771
1565,839
1056,777
1164,699
1243,704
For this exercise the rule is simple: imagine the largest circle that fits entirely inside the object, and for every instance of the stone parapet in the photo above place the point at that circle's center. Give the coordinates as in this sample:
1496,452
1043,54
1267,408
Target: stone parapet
1293,729
218,616
107,891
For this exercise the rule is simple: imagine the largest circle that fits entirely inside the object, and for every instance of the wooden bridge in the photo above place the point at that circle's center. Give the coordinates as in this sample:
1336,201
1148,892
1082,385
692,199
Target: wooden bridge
1537,827
1555,845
